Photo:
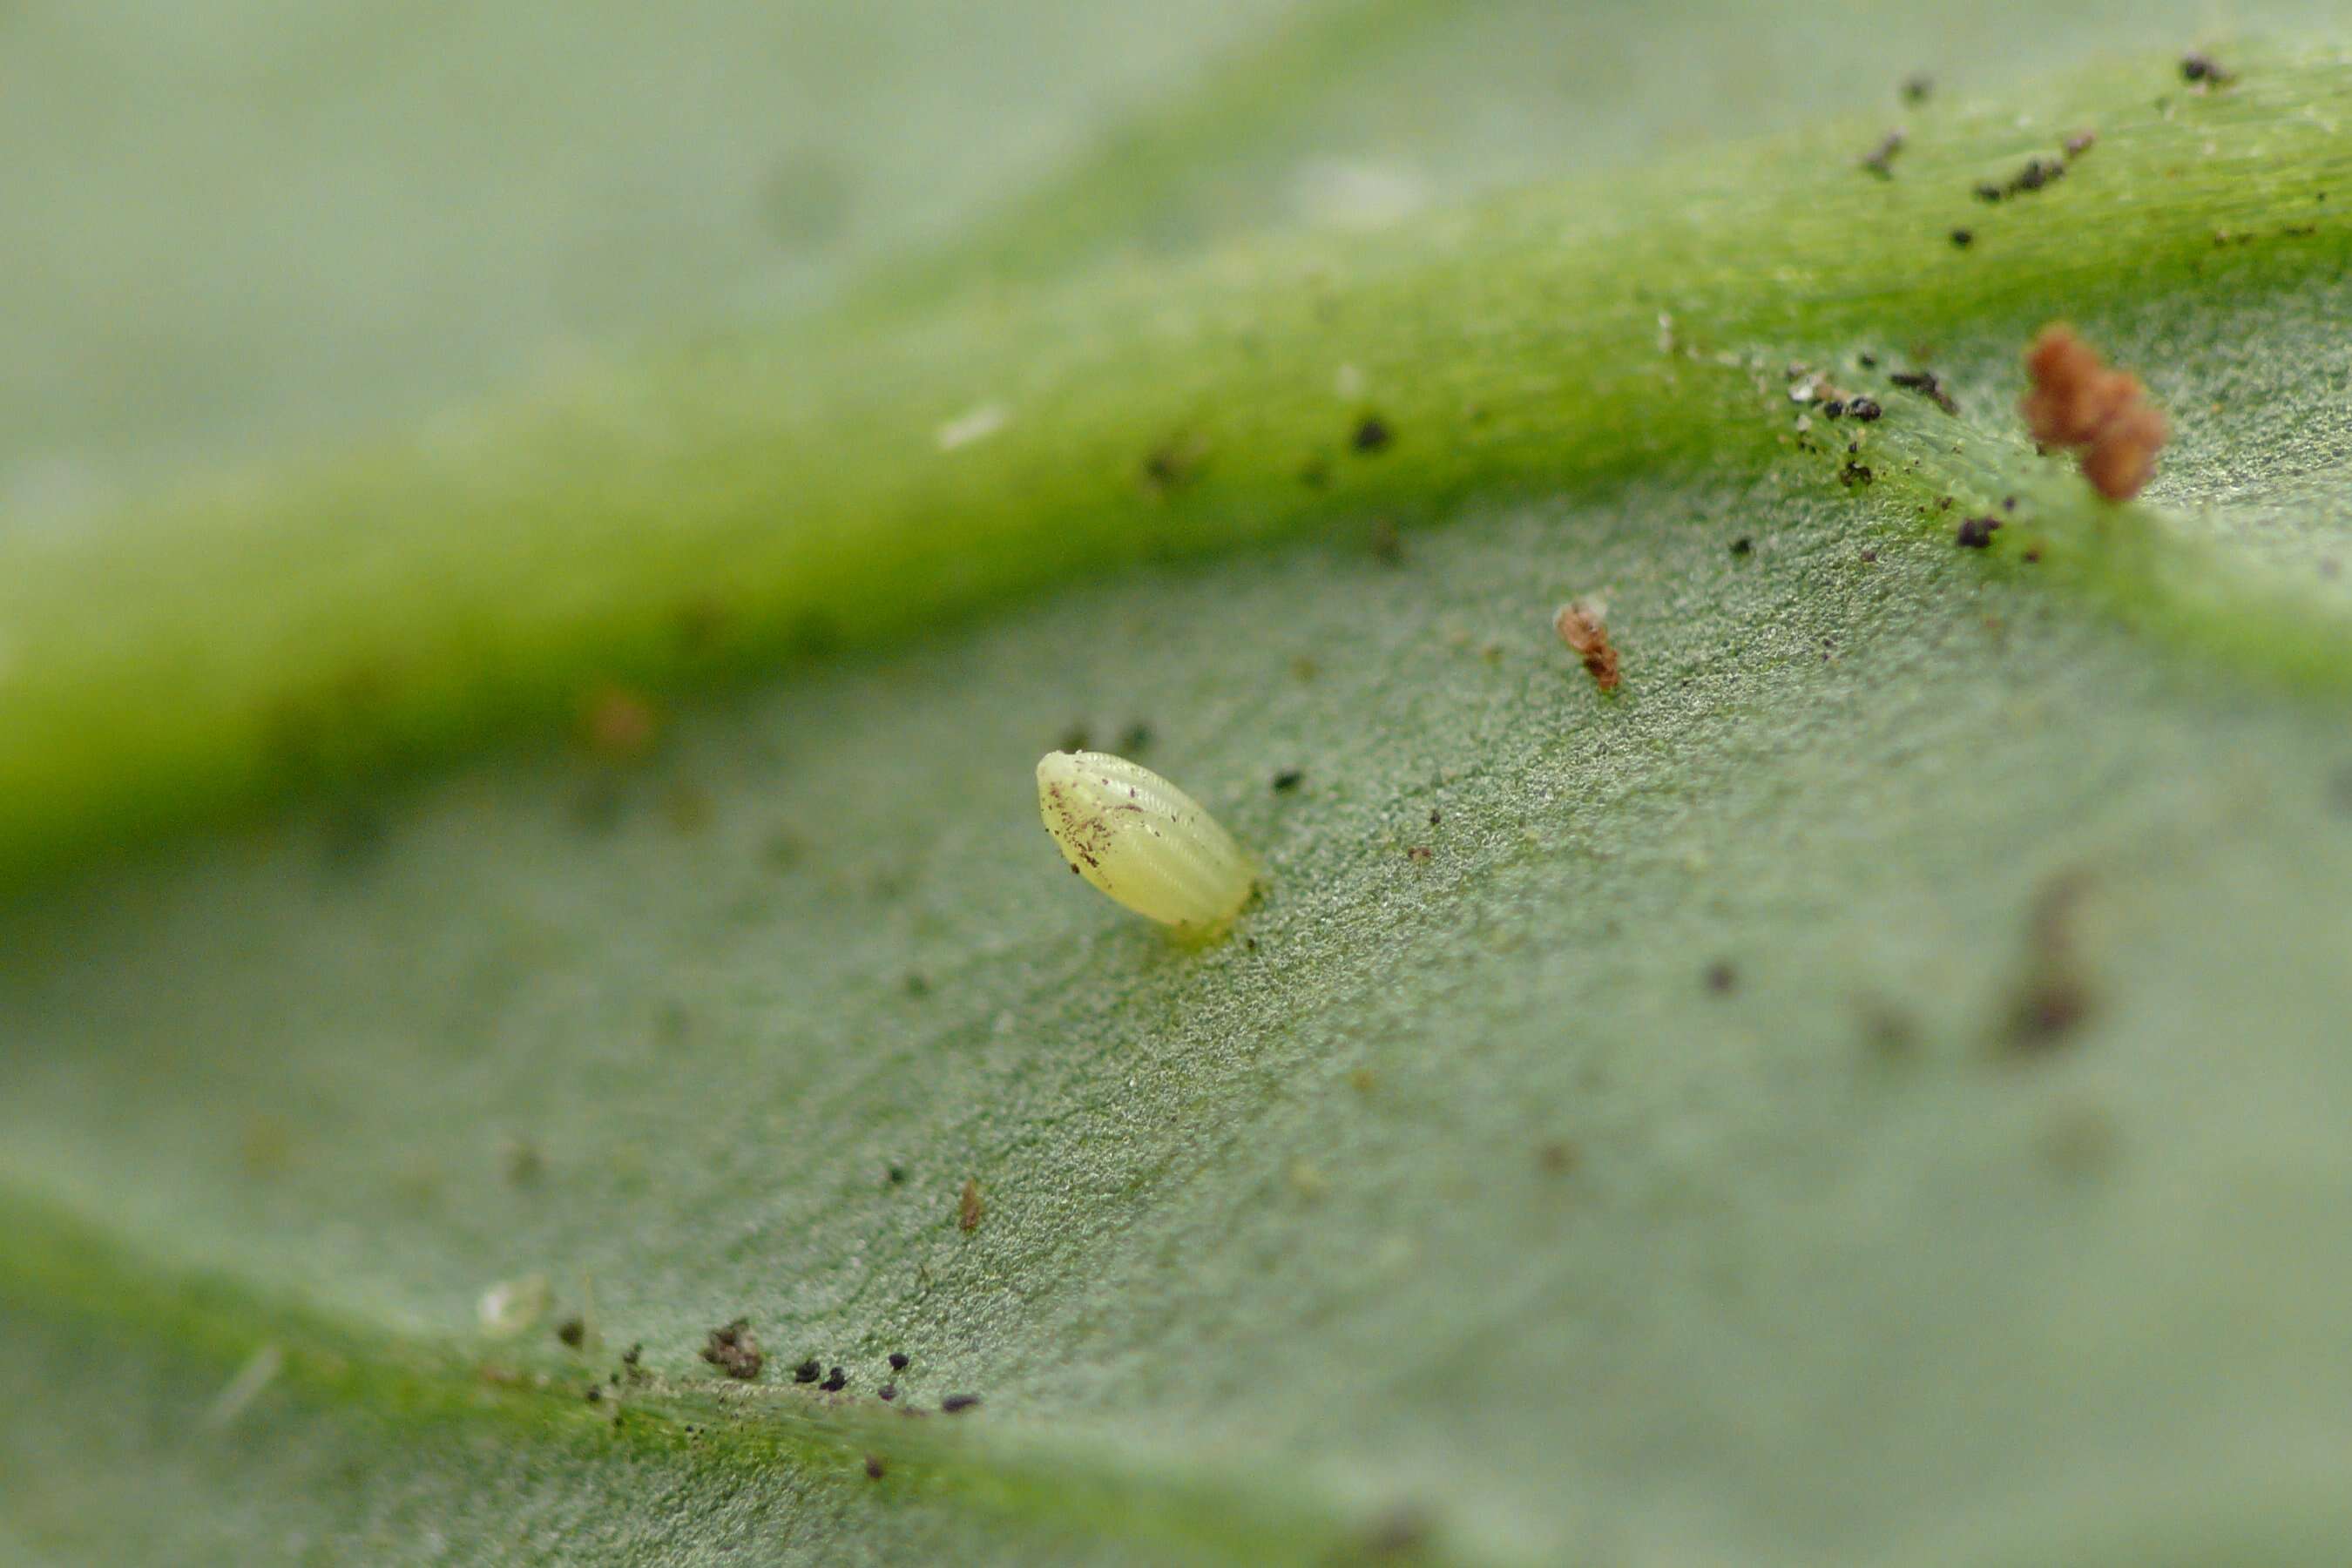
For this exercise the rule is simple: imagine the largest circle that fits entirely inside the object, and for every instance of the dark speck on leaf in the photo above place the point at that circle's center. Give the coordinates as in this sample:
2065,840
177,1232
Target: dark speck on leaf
1388,543
2081,142
895,1174
1371,435
1926,384
1721,977
2199,67
1917,87
954,1402
1881,161
887,1392
1976,532
1288,779
733,1350
1986,191
1964,237
1742,545
898,1360
1864,408
2051,998
1855,474
835,1380
874,1468
572,1331
807,1372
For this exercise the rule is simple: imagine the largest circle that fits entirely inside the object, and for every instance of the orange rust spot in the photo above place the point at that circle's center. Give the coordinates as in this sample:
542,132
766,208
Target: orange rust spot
1587,635
2077,401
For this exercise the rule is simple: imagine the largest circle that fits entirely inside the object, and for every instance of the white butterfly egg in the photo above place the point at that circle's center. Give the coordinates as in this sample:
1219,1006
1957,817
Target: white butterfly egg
1142,841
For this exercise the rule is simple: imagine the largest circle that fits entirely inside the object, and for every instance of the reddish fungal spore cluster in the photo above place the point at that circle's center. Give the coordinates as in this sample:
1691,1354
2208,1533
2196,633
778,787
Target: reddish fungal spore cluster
2078,402
1587,635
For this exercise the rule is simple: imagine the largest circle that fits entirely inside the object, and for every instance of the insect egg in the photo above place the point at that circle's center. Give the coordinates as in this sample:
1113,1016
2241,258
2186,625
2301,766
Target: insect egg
1142,841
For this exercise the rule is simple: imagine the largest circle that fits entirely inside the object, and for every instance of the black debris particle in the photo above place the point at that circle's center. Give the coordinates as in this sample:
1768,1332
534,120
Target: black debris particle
834,1381
1963,238
956,1402
1418,854
1371,435
573,1332
524,1163
1976,532
594,1394
2008,503
807,1372
734,1350
1743,545
1855,474
1288,779
1926,384
1401,1532
1173,463
2080,143
1867,361
1435,816
2051,998
2037,173
1881,159
1135,739
2197,67
887,1392
896,1176
1986,191
898,1359
1864,408
1869,555
1919,87
874,1468
1721,977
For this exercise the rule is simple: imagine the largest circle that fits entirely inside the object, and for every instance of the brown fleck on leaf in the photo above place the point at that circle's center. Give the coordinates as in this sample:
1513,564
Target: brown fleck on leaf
970,1208
1579,625
618,725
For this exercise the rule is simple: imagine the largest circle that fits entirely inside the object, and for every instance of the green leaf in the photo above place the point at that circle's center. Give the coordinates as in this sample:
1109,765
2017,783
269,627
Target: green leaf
1863,1092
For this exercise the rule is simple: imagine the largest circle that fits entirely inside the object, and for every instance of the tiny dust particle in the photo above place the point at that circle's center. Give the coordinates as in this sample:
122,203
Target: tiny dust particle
1371,435
955,1403
1721,977
874,1468
1976,532
618,725
2052,997
969,1206
1881,160
1581,627
733,1350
